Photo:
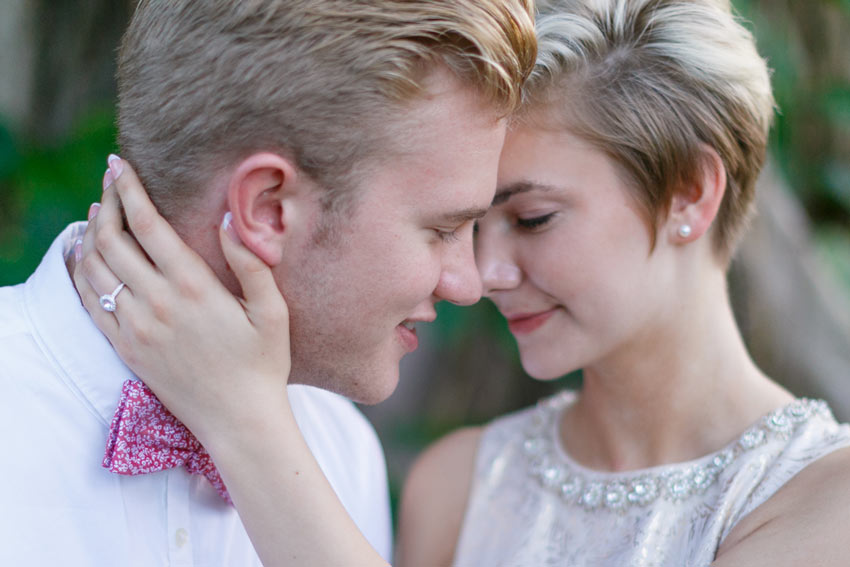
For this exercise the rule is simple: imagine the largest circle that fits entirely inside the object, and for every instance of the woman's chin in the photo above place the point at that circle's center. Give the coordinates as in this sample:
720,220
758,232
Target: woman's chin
545,371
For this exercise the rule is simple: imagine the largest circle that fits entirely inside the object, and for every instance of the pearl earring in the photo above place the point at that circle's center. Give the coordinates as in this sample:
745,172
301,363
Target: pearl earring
685,230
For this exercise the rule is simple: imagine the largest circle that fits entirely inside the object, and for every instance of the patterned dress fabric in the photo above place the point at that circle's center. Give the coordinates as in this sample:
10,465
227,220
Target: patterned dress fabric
145,437
532,505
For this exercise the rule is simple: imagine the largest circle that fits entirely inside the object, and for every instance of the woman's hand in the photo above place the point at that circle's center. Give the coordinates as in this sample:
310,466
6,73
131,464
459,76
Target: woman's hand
213,359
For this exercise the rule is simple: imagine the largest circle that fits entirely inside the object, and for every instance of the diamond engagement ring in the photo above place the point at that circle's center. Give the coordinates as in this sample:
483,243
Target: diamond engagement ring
108,301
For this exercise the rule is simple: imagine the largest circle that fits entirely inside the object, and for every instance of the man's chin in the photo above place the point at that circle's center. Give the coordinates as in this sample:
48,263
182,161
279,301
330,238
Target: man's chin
370,391
375,392
373,399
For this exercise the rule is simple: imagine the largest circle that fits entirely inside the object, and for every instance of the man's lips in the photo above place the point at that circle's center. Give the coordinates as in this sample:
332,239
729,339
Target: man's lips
407,331
524,323
408,337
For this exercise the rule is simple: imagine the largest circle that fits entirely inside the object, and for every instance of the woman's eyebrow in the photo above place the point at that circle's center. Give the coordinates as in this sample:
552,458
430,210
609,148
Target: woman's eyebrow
505,192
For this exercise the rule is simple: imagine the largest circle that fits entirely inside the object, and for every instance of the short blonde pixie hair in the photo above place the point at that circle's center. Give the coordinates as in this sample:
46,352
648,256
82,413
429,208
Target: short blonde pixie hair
205,83
650,83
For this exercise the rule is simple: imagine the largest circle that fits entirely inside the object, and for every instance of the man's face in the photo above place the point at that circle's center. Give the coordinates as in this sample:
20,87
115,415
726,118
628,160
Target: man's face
405,244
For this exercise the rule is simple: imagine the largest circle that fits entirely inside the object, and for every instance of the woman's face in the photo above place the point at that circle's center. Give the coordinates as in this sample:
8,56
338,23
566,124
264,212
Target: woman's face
564,253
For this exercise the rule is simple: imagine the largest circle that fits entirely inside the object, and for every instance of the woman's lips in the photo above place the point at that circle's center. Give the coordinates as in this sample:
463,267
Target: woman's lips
527,323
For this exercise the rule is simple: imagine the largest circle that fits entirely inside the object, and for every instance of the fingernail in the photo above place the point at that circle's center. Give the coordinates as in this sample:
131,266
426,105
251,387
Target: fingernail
227,225
107,179
93,209
116,165
78,249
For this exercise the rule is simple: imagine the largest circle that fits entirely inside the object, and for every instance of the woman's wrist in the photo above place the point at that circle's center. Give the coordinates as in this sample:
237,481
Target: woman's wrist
244,424
268,468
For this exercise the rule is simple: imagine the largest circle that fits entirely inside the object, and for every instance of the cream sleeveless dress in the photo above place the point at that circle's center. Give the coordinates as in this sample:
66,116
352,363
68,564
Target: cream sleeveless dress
532,506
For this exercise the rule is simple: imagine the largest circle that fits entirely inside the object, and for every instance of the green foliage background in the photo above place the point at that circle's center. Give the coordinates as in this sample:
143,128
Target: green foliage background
43,187
806,44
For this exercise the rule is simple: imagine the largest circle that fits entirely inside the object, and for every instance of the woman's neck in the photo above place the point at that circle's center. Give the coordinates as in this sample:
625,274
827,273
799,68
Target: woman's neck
683,389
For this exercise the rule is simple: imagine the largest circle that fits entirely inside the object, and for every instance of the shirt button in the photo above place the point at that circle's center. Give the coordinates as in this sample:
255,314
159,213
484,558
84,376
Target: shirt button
181,537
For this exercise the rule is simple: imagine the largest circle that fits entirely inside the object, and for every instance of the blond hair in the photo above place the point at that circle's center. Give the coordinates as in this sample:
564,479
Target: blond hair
651,82
204,83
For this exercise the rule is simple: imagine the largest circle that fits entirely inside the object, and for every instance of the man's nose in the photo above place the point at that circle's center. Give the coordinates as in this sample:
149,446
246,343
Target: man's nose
460,282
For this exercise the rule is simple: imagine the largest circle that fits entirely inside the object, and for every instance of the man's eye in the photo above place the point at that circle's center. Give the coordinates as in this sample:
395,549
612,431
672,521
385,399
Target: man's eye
447,235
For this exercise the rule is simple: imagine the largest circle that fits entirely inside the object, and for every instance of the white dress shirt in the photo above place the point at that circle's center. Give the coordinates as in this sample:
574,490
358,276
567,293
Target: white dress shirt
60,382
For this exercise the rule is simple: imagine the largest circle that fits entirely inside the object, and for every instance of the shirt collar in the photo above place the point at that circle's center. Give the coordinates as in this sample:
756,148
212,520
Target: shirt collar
83,357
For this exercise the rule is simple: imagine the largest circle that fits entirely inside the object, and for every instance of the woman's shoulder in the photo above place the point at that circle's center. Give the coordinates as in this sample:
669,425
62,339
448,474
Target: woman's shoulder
435,497
440,482
447,460
804,519
802,515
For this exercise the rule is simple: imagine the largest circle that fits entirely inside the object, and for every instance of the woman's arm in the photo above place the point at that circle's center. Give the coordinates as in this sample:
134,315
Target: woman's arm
435,498
221,365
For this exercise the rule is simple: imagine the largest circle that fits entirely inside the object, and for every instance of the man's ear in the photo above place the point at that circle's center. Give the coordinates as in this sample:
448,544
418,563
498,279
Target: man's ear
266,198
694,207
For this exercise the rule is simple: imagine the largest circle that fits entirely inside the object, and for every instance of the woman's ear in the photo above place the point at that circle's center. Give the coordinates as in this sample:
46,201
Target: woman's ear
694,207
265,196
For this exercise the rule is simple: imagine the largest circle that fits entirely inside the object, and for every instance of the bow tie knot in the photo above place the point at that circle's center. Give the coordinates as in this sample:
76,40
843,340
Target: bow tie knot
145,437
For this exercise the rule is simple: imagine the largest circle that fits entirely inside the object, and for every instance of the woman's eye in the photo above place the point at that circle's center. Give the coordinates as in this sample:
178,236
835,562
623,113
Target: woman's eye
534,222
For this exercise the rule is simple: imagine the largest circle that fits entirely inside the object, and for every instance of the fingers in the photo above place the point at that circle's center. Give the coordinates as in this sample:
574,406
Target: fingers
85,244
90,277
263,299
93,279
105,321
155,235
118,249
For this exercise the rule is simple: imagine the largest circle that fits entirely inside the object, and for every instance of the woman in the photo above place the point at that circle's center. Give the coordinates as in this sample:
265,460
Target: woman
624,186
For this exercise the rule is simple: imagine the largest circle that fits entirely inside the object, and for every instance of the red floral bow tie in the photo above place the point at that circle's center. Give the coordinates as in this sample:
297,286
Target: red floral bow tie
145,437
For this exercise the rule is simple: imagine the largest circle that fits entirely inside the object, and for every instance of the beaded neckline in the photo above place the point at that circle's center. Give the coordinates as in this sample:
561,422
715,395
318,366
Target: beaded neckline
554,471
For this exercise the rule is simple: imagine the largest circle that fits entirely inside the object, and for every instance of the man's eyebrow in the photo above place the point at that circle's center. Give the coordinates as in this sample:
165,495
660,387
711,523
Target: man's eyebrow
459,217
505,192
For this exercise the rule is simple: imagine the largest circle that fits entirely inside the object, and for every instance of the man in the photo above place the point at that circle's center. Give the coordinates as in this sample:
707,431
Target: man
354,144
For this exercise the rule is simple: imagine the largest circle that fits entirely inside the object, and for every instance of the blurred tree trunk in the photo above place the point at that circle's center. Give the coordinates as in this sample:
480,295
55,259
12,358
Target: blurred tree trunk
808,46
16,61
57,60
